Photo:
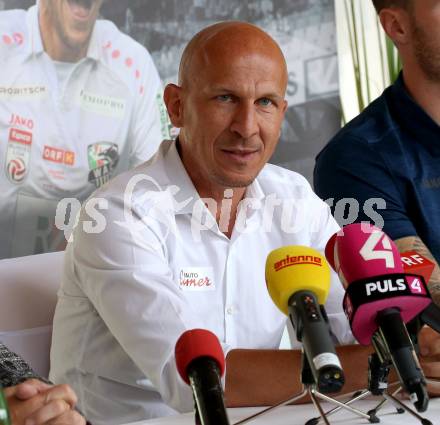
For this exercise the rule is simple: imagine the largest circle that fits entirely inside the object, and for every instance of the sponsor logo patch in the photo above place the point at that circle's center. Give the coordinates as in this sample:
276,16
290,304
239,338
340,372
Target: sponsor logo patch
19,121
103,158
196,279
23,93
56,175
18,155
59,156
297,260
103,105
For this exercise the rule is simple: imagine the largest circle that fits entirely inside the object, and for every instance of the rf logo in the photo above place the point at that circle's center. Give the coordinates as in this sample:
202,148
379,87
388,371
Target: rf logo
378,247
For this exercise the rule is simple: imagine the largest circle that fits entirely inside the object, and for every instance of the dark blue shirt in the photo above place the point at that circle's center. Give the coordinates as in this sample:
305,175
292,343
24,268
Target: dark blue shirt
390,151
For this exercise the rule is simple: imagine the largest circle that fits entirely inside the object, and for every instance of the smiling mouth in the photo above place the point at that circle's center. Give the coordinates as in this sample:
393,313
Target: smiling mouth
239,154
81,9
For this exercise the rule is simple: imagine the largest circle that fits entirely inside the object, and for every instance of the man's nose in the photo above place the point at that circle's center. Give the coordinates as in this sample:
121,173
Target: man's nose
245,120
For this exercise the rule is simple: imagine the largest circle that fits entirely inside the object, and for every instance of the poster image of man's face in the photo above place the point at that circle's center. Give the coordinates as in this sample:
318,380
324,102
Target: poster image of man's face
68,24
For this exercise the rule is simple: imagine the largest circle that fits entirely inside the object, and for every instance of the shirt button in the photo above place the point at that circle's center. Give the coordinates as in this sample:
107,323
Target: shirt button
230,310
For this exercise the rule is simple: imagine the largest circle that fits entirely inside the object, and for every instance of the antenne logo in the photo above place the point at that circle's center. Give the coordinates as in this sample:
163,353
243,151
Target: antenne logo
297,260
371,250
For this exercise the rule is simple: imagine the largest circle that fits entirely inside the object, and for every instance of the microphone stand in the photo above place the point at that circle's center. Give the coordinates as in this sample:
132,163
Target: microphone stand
378,386
379,366
378,371
310,389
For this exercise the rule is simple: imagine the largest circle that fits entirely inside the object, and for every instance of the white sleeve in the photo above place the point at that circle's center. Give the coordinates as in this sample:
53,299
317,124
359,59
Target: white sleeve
126,276
150,123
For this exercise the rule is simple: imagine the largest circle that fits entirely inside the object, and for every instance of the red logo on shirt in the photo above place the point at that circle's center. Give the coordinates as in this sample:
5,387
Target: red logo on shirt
20,121
59,156
195,283
18,38
20,136
193,280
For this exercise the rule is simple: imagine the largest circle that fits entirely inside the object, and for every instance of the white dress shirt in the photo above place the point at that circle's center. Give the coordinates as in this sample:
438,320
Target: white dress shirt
63,139
140,272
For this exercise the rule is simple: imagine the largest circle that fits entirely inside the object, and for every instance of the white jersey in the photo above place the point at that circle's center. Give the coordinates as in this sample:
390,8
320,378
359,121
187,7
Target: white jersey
65,140
145,269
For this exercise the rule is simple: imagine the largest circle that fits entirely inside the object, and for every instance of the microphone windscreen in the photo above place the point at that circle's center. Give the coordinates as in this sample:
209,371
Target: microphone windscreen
367,261
194,344
360,251
296,268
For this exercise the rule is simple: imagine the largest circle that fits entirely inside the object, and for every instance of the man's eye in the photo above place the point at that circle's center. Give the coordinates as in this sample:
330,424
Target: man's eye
265,101
224,97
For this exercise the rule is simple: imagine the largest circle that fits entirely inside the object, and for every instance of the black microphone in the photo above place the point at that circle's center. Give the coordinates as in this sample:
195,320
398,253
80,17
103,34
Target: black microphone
201,363
380,299
298,281
392,337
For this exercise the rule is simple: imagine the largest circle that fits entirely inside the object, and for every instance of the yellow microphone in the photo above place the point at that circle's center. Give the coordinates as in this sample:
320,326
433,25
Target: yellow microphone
298,281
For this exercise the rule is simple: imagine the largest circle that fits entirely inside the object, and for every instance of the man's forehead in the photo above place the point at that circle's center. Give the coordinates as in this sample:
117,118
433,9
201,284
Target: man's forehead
226,43
242,42
240,71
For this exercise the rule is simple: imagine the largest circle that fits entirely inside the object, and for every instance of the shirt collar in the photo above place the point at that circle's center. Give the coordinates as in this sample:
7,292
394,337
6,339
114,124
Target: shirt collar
36,43
187,195
255,191
36,46
95,45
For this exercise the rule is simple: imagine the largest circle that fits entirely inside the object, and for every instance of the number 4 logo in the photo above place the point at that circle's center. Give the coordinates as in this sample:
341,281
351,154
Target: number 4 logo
370,250
416,286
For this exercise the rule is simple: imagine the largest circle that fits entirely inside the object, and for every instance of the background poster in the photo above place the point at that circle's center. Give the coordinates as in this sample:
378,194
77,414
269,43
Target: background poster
305,30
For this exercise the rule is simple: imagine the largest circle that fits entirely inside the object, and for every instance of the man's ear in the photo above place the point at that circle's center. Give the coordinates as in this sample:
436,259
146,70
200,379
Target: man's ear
172,97
285,105
396,23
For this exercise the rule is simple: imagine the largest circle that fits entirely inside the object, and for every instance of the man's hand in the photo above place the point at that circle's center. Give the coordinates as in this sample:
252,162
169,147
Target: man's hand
429,342
36,403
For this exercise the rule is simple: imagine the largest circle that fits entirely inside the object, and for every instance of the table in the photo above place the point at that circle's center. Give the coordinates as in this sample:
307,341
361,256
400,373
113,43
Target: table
299,414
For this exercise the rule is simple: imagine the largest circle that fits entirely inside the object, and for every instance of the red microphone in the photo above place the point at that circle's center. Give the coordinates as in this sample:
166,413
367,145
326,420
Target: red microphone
380,298
201,364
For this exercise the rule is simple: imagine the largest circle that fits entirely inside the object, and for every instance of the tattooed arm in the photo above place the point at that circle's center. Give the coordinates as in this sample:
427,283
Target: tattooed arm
414,243
429,340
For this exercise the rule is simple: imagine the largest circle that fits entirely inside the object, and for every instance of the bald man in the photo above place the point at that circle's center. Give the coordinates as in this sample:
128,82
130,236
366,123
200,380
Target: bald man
181,243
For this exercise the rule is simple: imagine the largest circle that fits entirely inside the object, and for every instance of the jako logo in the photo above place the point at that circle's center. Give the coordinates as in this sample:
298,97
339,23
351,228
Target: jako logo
296,260
387,285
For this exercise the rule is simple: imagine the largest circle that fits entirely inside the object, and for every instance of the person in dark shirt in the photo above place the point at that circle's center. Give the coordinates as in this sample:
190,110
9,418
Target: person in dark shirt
32,398
389,156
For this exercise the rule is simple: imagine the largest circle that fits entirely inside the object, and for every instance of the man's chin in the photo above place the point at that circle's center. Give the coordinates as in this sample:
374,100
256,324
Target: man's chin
234,182
77,40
